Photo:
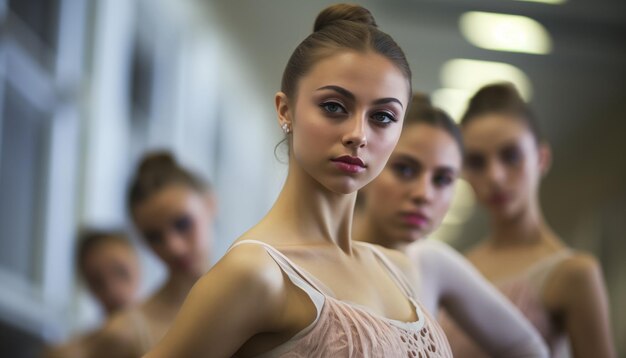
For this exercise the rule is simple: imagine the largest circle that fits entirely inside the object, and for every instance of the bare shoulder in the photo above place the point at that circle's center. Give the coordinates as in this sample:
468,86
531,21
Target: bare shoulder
578,270
577,276
248,263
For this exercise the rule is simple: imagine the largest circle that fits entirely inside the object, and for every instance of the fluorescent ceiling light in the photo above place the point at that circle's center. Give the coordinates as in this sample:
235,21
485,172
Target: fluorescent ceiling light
470,75
551,2
452,100
503,32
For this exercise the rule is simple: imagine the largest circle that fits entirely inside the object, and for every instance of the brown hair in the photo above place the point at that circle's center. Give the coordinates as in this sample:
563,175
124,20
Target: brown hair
341,26
421,110
156,171
91,239
501,98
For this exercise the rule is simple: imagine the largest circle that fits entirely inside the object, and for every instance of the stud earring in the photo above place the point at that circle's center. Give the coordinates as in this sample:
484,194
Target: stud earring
286,128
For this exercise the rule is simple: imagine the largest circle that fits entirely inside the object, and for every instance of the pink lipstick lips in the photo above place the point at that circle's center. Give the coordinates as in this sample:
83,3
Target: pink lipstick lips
416,220
349,164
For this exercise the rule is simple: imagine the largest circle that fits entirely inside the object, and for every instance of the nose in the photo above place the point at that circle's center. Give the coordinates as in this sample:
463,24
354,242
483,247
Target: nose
422,190
356,137
175,245
495,172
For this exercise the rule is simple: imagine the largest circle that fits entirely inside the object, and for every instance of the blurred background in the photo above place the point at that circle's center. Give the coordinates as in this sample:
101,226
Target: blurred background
87,86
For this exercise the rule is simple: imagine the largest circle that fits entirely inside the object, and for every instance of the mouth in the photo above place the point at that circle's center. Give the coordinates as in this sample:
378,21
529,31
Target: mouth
415,219
349,164
498,199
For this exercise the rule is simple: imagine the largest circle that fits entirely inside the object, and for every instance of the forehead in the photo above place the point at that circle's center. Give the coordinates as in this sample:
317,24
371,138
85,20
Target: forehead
493,131
159,208
108,252
367,75
431,145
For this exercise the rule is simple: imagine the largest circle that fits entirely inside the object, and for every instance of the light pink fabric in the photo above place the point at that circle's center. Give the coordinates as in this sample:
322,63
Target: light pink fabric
348,330
525,292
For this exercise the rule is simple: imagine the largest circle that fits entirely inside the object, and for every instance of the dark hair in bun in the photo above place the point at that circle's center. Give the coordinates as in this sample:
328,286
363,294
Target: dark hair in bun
421,110
501,98
156,171
341,27
343,12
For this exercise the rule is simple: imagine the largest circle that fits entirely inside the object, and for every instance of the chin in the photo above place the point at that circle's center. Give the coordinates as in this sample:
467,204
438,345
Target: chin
344,185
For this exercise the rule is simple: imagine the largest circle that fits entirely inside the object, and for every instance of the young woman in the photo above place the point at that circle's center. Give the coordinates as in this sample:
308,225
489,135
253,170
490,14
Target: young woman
109,265
295,285
560,290
407,201
173,211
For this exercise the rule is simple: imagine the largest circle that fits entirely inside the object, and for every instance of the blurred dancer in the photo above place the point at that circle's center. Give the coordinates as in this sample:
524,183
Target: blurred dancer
560,290
173,210
407,201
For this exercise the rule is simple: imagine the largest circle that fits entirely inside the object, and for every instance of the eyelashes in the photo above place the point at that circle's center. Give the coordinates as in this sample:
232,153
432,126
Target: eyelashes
380,118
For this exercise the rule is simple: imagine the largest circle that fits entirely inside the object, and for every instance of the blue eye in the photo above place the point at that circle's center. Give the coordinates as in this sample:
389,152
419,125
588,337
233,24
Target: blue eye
383,118
332,107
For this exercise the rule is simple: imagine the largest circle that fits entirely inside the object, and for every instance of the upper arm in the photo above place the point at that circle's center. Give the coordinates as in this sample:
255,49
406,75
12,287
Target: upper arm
585,307
239,297
479,308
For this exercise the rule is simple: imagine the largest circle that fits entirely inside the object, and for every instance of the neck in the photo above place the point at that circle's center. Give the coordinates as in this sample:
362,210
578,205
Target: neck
526,228
366,230
312,212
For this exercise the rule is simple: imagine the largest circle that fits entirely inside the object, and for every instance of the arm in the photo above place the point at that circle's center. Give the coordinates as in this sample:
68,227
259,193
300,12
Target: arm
478,307
583,301
242,295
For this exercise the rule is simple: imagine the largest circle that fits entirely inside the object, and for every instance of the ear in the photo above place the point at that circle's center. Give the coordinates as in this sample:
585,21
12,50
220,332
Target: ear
545,158
283,109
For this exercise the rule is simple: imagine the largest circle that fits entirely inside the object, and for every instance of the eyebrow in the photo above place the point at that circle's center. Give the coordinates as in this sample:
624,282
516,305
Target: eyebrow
418,163
351,96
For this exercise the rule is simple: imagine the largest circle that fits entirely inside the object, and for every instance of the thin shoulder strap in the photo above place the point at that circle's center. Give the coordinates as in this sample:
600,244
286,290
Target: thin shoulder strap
544,269
291,269
395,273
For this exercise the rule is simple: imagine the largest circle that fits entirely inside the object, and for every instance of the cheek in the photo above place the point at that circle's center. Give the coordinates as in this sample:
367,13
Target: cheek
443,202
310,136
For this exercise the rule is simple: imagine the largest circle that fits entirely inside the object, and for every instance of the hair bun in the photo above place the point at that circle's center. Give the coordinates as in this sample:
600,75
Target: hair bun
343,12
157,162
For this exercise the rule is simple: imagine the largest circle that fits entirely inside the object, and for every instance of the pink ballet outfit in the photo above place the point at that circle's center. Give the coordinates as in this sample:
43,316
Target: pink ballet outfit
343,329
525,292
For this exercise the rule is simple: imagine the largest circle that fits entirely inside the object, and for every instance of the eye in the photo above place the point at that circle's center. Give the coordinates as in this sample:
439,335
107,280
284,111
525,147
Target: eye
510,155
384,118
404,171
183,224
153,237
475,162
443,179
333,107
